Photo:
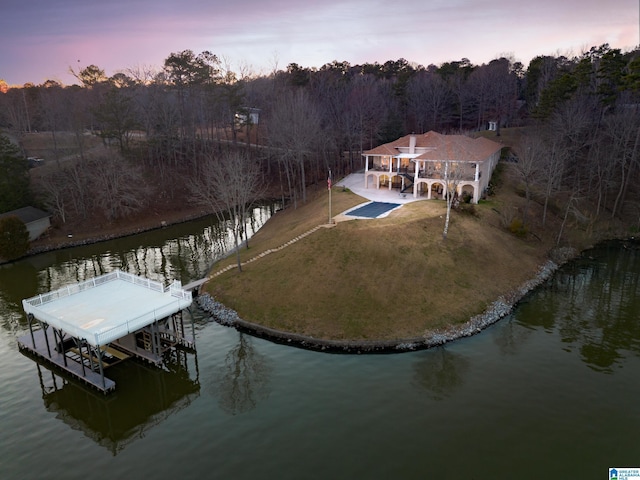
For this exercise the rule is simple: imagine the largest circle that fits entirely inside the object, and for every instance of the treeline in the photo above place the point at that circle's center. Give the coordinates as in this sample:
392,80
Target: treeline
164,123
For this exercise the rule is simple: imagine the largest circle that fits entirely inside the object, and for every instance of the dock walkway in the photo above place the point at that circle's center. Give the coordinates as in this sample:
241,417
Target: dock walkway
37,347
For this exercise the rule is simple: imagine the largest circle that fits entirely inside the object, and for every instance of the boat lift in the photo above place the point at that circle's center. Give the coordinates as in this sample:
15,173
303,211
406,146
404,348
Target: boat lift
89,326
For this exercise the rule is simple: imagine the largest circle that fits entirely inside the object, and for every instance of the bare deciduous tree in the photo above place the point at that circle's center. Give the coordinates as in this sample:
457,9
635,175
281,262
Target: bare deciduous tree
452,175
53,108
623,132
527,168
118,187
79,188
294,129
431,98
228,184
551,171
53,190
105,183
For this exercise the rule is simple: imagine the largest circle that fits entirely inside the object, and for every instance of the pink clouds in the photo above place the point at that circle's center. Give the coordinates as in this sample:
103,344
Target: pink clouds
41,39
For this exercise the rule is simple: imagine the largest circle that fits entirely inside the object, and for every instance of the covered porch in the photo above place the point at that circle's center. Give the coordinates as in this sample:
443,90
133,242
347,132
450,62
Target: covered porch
390,171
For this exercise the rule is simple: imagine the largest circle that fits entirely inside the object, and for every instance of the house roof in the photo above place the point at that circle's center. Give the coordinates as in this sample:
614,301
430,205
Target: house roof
27,214
386,149
438,147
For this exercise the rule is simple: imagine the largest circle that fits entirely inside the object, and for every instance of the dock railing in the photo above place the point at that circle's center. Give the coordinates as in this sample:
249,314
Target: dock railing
176,290
101,337
113,333
67,290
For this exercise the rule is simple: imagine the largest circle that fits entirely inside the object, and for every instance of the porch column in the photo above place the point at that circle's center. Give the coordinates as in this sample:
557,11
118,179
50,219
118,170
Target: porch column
390,172
415,180
366,170
475,178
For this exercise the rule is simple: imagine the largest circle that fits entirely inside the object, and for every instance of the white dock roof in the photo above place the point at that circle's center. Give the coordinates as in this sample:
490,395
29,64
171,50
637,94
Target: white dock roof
108,307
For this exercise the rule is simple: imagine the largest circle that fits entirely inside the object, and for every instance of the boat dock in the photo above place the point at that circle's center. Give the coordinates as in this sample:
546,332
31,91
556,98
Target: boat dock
86,327
39,346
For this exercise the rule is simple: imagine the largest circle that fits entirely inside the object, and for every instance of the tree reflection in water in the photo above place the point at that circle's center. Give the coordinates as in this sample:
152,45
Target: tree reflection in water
511,336
594,304
243,381
440,372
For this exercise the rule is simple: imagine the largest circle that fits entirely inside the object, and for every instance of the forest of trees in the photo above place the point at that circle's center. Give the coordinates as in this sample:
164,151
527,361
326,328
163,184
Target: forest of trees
160,127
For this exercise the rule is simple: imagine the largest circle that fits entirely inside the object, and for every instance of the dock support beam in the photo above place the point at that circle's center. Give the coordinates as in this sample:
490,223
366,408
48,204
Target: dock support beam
30,319
99,354
79,344
58,337
193,327
44,327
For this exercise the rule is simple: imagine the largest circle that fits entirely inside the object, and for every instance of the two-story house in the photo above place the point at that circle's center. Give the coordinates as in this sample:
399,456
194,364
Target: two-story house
428,164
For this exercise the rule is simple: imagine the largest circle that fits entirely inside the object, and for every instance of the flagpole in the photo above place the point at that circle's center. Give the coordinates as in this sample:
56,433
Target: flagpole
329,187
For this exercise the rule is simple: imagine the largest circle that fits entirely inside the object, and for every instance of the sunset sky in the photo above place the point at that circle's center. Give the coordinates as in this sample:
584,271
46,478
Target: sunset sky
42,39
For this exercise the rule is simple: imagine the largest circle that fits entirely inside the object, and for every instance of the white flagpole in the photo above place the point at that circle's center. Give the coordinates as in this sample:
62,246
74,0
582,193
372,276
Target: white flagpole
329,187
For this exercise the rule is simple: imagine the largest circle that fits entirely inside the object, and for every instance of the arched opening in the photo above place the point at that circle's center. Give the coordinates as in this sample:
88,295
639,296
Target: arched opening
422,189
370,180
437,190
467,193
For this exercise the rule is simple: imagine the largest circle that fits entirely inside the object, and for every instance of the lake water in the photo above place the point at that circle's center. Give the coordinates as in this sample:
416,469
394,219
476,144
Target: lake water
551,391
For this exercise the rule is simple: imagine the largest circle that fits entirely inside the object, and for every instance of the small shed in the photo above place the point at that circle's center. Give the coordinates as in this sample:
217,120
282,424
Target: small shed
37,221
248,116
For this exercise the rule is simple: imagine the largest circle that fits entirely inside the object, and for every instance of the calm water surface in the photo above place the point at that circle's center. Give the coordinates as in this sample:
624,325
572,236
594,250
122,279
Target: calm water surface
551,391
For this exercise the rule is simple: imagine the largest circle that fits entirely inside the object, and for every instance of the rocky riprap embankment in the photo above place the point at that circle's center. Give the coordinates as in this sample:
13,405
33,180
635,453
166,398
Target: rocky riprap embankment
497,310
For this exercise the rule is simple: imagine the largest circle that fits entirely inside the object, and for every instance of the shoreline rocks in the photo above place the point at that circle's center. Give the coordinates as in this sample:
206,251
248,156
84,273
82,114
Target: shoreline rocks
500,308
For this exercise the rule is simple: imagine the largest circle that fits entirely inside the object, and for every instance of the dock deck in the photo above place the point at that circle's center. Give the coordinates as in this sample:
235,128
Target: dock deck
86,327
107,307
57,359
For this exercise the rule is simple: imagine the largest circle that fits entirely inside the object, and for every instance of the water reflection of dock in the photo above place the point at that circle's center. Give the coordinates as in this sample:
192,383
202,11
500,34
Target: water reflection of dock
146,397
92,325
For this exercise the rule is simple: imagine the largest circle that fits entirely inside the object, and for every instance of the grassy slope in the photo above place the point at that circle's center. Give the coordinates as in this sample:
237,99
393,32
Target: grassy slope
382,279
